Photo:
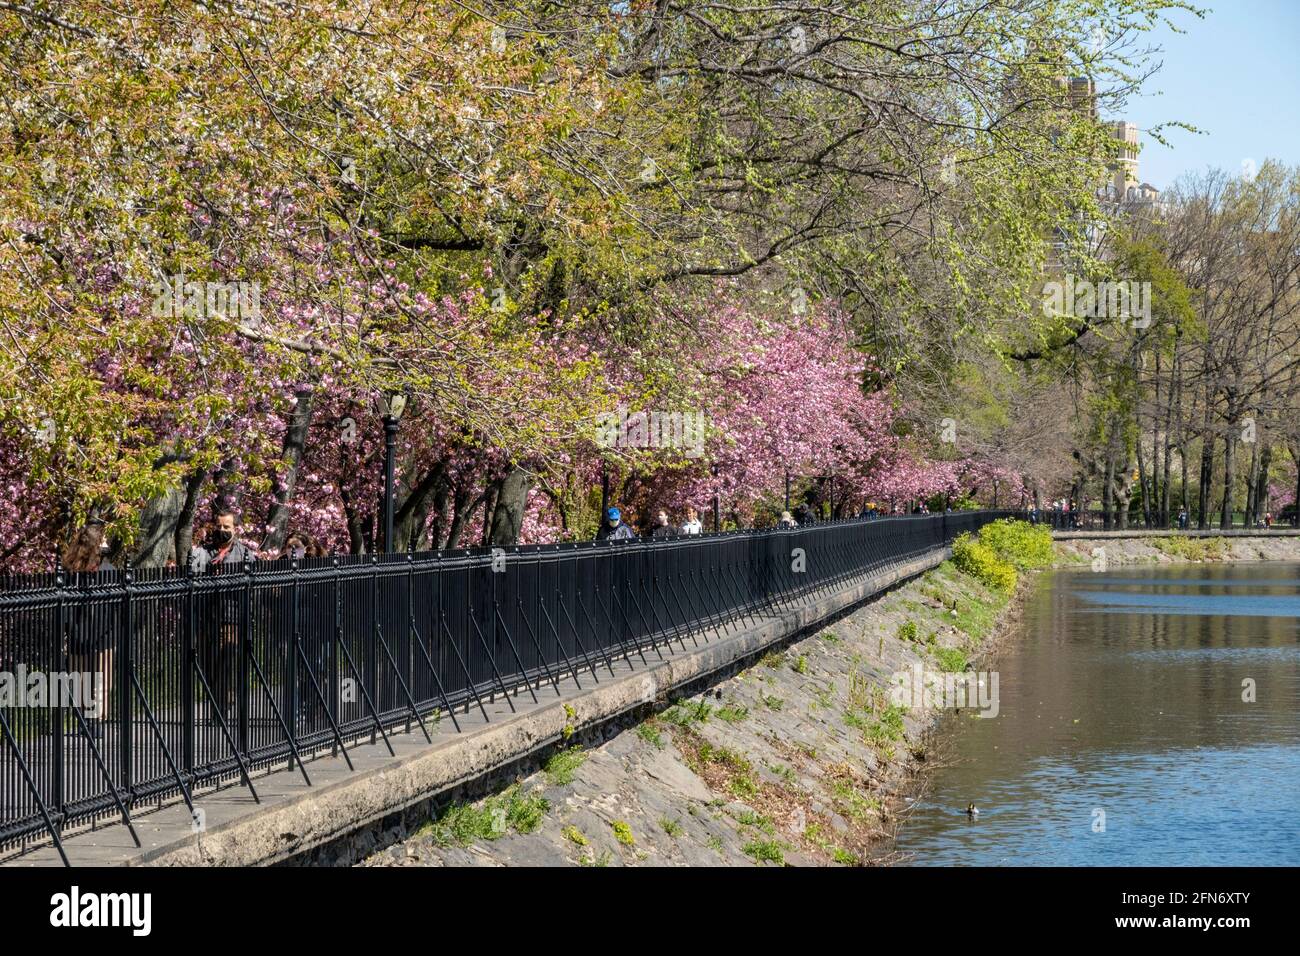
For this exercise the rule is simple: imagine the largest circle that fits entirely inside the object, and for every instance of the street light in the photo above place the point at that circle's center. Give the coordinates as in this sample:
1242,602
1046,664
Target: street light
391,405
604,488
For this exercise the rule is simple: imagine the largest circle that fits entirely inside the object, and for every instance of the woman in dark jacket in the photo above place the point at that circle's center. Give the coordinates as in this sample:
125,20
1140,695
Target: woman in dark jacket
90,634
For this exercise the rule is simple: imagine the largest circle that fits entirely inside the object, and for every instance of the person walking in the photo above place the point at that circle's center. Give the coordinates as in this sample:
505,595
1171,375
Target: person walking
614,529
221,651
91,633
299,545
692,525
662,527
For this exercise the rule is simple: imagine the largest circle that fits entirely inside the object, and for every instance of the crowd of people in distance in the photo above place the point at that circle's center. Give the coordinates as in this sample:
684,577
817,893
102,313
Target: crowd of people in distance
616,525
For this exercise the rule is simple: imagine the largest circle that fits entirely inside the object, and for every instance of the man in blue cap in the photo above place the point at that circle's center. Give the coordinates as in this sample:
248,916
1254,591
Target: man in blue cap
614,529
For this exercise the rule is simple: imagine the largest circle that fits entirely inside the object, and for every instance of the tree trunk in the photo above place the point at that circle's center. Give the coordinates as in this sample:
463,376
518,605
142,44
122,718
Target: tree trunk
1252,477
1229,476
184,535
158,521
1207,476
356,530
442,517
295,444
1108,484
1142,483
1169,440
1261,483
411,518
462,510
1295,518
511,503
489,508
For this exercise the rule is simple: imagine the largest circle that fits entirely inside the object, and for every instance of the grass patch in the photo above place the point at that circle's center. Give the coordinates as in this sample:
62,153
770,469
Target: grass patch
574,835
721,768
851,803
782,771
732,714
800,666
772,702
623,833
649,732
563,766
764,851
748,818
462,824
887,728
907,630
950,659
671,827
684,713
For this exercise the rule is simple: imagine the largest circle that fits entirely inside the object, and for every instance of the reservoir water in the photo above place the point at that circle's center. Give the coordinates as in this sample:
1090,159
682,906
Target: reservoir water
1147,716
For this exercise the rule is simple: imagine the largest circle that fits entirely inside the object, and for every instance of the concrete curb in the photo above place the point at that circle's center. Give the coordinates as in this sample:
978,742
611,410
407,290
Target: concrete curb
1140,533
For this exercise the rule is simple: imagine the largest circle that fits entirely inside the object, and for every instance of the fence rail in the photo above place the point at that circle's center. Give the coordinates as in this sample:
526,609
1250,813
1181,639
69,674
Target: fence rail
205,679
1095,519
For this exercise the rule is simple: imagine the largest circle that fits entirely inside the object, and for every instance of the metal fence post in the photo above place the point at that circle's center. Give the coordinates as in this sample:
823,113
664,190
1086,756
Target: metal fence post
64,667
188,703
126,669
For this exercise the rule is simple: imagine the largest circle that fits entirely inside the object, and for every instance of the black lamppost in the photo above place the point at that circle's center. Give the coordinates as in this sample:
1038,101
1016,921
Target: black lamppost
604,489
391,406
787,491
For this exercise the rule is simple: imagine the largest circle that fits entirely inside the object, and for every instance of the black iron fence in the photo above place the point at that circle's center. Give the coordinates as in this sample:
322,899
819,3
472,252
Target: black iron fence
1095,519
160,683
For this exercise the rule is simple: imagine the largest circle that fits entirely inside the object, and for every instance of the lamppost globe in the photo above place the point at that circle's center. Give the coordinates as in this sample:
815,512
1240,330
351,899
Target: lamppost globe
391,405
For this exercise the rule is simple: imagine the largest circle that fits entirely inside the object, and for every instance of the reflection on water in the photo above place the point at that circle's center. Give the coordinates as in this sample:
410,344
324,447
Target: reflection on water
1123,737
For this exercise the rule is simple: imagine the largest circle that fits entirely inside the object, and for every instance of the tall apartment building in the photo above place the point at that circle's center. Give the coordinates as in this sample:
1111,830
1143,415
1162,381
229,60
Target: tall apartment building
1125,190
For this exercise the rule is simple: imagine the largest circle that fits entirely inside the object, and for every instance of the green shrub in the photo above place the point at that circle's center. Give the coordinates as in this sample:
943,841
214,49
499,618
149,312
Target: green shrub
1191,549
982,563
1019,543
623,832
907,631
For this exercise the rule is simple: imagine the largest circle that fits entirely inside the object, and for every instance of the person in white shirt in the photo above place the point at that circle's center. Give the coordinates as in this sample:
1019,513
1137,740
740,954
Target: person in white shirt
692,525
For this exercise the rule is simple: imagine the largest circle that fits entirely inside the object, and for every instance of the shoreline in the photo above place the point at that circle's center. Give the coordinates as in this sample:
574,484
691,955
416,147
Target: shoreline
799,758
796,759
1165,549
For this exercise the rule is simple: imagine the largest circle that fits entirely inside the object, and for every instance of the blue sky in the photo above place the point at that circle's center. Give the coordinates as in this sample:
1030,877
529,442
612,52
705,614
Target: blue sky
1234,74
